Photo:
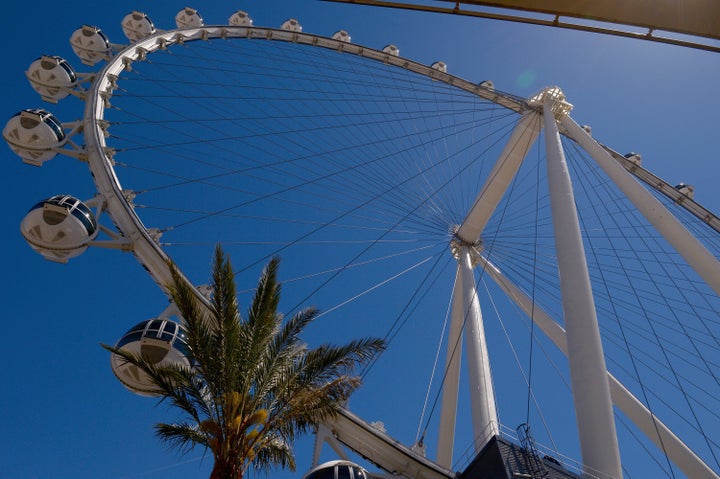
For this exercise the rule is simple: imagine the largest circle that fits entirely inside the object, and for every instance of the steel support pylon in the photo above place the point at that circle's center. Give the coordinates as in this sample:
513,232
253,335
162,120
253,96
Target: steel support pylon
588,372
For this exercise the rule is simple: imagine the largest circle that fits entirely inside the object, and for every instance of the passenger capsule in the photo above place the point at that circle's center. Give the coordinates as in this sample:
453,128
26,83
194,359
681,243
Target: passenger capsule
59,228
90,44
636,158
188,18
291,25
488,84
137,26
439,66
337,470
342,36
392,50
51,77
33,134
159,341
241,19
687,190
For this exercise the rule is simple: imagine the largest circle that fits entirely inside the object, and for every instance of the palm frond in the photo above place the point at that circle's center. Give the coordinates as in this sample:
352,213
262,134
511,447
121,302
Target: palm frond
197,323
326,361
227,335
310,405
267,294
172,382
262,324
184,436
272,453
282,354
224,298
262,316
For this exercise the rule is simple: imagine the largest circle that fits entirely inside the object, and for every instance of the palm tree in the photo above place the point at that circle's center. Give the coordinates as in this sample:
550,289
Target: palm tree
253,385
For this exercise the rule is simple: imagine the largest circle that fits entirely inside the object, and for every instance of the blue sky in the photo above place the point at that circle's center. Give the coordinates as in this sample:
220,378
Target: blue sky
63,412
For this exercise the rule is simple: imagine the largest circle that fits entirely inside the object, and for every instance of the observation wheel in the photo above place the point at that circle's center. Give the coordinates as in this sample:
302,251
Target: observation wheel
404,201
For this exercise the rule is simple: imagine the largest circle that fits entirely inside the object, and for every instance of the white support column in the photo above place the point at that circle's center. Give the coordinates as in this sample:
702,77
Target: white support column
653,428
504,170
588,373
451,384
466,308
323,435
692,250
466,320
482,394
320,435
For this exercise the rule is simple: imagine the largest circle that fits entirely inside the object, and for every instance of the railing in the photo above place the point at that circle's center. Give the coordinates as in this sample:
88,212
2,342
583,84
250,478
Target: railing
536,467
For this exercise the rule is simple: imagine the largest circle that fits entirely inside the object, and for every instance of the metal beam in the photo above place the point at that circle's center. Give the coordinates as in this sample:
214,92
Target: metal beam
700,42
503,172
384,451
689,17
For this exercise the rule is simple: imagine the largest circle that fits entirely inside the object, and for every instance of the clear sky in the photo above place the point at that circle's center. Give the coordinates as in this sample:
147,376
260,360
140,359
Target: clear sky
63,413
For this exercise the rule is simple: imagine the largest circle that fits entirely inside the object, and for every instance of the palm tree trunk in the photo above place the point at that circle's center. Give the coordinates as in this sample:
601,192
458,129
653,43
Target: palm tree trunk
225,471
